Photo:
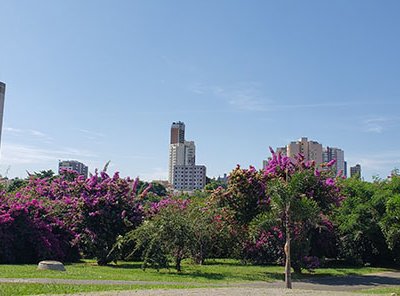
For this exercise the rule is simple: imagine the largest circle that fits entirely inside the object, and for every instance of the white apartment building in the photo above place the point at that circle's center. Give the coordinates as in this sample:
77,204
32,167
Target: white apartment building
74,165
332,153
181,154
183,173
189,177
2,95
311,150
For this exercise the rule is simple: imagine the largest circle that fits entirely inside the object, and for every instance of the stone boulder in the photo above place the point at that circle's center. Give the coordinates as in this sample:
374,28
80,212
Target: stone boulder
51,265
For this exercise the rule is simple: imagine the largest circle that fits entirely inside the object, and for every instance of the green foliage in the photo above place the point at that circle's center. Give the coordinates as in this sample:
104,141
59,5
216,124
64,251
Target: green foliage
167,235
45,174
16,184
214,184
245,195
289,201
178,229
365,221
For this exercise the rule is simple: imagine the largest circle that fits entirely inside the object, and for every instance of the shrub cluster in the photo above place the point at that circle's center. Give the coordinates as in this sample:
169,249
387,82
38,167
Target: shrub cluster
108,218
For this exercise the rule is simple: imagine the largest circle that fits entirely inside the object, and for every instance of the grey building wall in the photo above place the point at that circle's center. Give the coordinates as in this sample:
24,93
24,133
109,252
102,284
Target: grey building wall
2,96
75,166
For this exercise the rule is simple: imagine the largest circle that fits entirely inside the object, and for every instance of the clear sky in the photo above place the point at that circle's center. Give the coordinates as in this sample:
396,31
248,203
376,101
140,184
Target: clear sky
101,80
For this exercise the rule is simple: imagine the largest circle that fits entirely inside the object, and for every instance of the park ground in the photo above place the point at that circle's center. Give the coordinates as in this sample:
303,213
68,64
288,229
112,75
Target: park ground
217,277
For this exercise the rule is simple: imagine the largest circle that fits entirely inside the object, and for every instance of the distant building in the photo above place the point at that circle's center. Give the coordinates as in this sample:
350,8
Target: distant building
223,179
177,132
189,177
311,150
282,151
355,171
2,96
331,153
183,173
73,165
181,154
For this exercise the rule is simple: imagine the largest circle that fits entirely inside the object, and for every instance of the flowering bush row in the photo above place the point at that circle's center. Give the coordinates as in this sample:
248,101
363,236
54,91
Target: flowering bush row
52,219
108,218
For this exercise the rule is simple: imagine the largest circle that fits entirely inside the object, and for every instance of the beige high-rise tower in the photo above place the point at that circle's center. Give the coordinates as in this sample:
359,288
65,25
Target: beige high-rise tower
183,173
311,150
2,95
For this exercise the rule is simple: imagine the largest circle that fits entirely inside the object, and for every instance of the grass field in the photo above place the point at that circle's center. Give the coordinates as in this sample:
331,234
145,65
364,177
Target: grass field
214,272
11,289
384,291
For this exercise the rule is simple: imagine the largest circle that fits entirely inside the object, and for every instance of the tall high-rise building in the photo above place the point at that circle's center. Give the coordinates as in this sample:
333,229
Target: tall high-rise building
73,165
181,154
332,153
183,173
355,171
310,149
177,133
2,95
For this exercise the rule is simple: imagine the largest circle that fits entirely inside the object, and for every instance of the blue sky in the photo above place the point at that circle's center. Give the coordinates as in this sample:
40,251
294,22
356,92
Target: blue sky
103,80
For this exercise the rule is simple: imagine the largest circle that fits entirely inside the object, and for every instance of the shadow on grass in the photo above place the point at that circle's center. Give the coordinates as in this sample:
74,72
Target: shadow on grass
132,265
205,275
226,263
358,280
171,271
275,276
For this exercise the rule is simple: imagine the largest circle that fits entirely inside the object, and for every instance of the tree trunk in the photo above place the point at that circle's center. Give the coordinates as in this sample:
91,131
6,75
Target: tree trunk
288,275
178,260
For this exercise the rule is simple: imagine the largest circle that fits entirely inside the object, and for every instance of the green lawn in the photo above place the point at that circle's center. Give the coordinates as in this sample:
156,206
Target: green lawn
35,289
213,273
216,271
386,291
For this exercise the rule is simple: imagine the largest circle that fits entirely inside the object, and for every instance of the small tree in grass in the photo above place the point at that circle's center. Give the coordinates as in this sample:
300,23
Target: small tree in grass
177,229
300,196
166,235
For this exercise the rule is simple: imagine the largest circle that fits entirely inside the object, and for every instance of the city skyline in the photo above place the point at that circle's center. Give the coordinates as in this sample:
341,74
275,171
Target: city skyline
99,81
183,172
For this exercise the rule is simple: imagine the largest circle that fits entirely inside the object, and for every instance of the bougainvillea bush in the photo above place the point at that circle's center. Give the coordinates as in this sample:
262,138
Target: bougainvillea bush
29,232
289,196
66,213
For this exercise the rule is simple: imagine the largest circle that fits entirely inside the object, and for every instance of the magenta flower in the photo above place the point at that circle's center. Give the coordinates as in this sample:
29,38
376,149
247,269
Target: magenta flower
330,182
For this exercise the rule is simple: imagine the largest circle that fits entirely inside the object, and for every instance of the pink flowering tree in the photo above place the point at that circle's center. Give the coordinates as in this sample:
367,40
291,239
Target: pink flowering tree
98,210
30,231
106,208
301,196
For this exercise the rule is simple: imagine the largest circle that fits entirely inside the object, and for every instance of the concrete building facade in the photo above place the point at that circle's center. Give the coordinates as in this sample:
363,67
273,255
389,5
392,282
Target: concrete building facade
2,97
189,177
311,150
73,165
177,133
181,154
183,173
355,171
332,153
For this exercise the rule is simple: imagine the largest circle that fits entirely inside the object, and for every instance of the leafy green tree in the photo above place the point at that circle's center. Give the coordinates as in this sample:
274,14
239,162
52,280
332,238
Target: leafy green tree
16,184
359,219
300,195
210,230
45,174
167,235
245,196
214,184
390,223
